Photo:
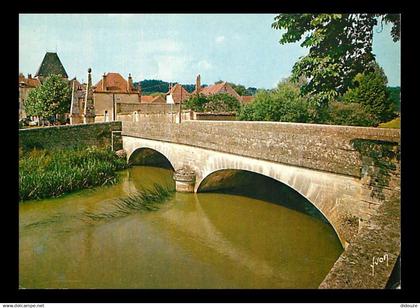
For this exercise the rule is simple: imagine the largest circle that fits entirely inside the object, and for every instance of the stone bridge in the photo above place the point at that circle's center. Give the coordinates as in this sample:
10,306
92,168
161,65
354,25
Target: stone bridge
345,172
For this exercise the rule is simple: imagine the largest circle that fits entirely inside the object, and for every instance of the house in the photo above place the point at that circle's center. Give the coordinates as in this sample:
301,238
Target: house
158,99
223,87
114,94
50,64
177,94
146,99
101,103
26,85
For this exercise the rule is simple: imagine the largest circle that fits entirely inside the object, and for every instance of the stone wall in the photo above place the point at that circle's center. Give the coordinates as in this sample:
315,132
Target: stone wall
370,259
321,147
57,137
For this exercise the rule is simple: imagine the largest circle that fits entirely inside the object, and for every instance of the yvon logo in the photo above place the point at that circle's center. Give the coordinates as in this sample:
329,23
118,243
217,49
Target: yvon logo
378,260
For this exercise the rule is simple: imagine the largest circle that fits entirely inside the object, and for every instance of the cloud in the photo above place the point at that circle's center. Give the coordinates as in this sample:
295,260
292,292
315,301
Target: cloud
172,67
204,65
219,39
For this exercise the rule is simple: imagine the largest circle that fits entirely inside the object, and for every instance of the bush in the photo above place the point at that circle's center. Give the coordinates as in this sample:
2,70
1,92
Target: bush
220,102
371,92
283,104
351,114
44,174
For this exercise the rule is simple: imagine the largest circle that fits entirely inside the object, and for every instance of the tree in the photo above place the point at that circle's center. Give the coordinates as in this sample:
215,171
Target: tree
220,102
52,97
371,92
340,47
283,104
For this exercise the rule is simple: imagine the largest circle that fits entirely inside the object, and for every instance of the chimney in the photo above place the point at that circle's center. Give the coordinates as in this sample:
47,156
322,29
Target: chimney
29,76
129,83
104,82
197,84
139,86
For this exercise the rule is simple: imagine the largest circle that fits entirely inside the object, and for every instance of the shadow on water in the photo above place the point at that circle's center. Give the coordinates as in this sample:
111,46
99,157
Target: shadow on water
257,186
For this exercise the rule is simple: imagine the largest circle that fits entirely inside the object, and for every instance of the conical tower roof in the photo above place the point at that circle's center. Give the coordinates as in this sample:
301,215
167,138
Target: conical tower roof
51,64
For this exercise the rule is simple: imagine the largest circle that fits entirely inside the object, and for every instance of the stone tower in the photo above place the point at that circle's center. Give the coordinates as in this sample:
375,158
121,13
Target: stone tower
89,112
75,117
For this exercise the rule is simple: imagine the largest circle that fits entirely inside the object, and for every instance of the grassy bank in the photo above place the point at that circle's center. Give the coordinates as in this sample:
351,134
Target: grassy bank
44,174
396,123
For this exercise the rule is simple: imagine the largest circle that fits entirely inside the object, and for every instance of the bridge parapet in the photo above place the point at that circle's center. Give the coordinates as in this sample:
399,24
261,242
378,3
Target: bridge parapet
320,147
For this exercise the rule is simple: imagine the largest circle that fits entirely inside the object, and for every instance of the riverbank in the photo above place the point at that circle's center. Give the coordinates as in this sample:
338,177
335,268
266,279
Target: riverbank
52,173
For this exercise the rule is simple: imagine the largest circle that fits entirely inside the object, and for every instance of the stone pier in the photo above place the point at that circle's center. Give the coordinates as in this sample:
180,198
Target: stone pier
184,180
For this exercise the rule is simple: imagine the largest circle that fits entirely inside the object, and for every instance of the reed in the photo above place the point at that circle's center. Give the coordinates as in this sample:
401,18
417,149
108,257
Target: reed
44,174
145,200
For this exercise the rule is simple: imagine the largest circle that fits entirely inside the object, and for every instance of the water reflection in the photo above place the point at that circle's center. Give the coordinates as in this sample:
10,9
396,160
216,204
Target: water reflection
207,240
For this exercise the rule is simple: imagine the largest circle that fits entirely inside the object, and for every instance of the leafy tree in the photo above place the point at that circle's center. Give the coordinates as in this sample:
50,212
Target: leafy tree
196,102
340,47
52,97
251,90
395,97
220,102
283,104
371,92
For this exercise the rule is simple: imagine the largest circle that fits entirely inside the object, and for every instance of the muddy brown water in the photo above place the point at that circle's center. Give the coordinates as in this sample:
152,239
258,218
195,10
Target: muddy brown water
205,240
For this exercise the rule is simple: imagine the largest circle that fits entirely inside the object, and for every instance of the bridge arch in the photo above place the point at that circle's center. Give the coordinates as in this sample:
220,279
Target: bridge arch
149,157
258,185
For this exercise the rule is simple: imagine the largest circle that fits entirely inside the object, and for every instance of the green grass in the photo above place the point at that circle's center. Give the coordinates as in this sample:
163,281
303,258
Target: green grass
395,123
45,174
145,200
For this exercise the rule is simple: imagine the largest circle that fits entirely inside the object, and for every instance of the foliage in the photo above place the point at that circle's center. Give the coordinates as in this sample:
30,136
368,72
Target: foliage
151,86
196,102
44,174
371,92
352,114
395,97
220,102
282,104
52,97
340,47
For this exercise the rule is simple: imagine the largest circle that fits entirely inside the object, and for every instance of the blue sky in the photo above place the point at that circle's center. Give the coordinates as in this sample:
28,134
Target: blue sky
240,48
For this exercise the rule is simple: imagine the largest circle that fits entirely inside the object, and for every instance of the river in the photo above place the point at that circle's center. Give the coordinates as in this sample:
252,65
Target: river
205,240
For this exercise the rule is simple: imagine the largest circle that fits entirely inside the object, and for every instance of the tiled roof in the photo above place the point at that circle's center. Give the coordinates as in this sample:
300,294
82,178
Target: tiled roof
223,87
114,82
147,98
29,82
51,64
158,99
178,92
246,99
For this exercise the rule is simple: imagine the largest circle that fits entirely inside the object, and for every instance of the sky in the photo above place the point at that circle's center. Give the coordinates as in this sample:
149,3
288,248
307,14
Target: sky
239,48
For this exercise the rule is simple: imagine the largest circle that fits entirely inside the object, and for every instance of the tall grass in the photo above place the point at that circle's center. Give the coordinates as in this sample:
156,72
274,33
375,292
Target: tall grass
145,200
44,174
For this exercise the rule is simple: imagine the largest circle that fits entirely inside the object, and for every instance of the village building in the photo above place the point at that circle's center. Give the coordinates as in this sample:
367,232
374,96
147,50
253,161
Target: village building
177,94
223,87
111,95
50,64
26,85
